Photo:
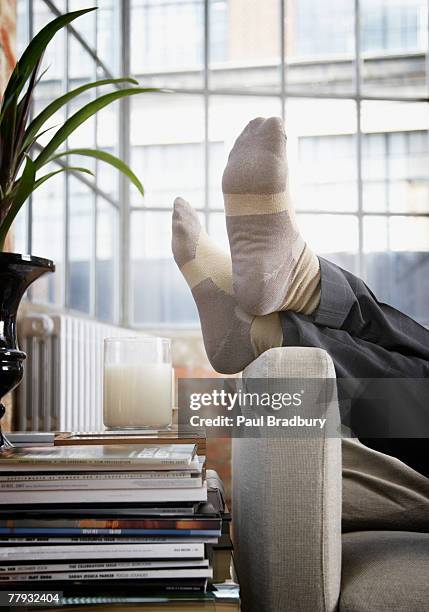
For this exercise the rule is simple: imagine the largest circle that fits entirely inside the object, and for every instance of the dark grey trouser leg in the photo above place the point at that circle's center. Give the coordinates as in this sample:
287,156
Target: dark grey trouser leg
365,339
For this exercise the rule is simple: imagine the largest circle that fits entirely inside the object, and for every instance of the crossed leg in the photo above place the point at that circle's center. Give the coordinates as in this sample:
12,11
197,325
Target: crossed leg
276,291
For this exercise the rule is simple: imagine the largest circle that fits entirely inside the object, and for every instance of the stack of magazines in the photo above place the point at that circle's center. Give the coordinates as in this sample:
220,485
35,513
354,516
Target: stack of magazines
108,520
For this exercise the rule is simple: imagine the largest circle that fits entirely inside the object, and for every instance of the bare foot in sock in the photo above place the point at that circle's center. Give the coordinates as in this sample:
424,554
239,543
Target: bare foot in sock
232,338
273,268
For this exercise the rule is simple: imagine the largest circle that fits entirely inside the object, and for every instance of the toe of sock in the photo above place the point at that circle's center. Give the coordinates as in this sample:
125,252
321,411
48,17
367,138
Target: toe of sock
186,228
257,162
181,206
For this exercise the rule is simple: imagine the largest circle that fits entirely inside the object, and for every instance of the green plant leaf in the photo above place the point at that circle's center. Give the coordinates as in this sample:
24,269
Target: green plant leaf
39,135
32,55
108,158
51,109
24,187
49,175
8,145
81,116
23,111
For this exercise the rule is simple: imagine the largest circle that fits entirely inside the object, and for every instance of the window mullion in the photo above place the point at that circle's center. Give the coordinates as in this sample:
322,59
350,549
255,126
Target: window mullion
124,153
66,178
283,13
357,59
206,110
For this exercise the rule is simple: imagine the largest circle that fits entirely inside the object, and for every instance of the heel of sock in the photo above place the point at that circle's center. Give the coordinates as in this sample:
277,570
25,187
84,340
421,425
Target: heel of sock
210,262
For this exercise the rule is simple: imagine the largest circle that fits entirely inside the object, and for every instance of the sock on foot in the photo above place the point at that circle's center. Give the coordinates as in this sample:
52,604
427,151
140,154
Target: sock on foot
232,338
273,267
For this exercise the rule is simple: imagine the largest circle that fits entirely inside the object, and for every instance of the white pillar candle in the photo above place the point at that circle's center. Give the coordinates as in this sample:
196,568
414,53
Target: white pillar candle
137,389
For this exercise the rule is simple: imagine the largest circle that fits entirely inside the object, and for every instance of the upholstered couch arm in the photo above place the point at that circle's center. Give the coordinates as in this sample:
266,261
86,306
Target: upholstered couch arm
287,503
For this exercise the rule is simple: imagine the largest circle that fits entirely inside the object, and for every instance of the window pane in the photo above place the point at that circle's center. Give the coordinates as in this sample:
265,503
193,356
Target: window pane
83,137
81,65
107,290
397,262
394,44
228,116
48,237
52,81
100,28
81,231
159,293
245,45
168,149
333,236
167,42
217,230
85,24
108,33
19,231
167,134
320,46
322,154
53,58
107,126
82,70
22,25
107,177
395,157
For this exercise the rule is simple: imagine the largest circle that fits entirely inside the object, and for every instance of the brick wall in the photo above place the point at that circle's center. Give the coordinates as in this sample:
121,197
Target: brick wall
190,361
7,39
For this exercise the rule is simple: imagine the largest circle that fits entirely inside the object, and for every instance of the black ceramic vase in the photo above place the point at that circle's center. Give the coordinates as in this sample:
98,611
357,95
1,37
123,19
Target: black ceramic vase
17,272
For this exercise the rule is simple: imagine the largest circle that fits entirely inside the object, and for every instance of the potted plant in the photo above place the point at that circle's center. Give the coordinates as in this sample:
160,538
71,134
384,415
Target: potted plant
22,171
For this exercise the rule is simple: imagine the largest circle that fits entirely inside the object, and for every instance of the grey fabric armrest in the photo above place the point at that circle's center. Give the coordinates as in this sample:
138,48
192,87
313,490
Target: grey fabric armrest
287,503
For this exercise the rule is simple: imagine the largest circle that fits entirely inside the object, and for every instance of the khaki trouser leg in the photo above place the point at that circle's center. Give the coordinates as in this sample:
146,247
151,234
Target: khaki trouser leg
381,492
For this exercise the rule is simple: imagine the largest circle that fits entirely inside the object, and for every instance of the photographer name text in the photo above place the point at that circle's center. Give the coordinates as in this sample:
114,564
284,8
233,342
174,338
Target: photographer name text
260,421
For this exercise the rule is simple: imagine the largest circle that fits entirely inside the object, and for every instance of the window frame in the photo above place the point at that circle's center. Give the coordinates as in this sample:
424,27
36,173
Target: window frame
123,203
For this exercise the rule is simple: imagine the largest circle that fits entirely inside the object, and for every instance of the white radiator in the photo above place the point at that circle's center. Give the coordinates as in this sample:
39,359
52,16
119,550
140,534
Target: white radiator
62,385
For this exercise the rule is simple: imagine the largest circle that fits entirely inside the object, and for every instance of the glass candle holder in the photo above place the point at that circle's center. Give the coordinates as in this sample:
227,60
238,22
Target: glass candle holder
137,387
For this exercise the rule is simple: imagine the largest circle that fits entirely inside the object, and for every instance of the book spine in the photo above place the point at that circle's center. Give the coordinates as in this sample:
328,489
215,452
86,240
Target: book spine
103,588
43,531
103,551
93,484
148,589
56,525
97,540
131,512
40,568
76,466
95,476
84,461
105,496
111,575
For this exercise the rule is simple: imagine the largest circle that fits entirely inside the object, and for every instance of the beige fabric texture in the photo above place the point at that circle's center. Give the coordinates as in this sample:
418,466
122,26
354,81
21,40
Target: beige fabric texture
381,492
385,571
209,262
239,204
287,516
265,333
287,504
273,268
303,293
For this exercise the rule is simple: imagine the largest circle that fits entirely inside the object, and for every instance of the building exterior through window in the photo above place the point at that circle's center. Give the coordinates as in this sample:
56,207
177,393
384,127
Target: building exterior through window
350,79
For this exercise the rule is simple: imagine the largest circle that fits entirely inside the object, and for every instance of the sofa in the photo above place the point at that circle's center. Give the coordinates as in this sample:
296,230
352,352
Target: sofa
290,552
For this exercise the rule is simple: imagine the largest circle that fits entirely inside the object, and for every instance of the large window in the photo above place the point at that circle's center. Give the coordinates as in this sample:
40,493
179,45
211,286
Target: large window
350,78
71,219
